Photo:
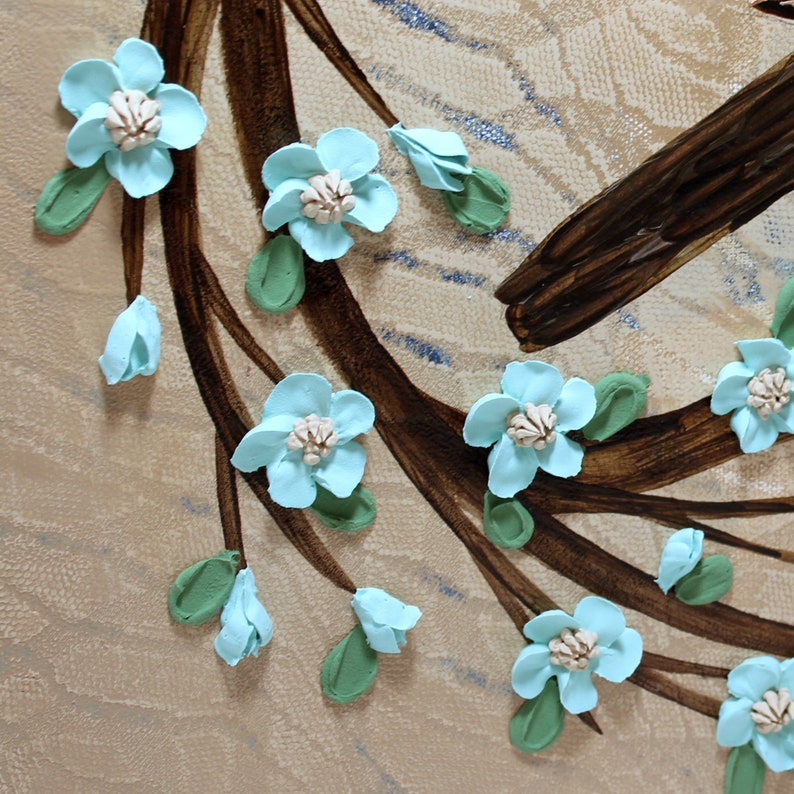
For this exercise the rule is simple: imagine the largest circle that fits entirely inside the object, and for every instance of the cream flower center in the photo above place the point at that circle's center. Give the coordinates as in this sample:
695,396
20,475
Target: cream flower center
132,119
769,391
315,436
774,712
573,650
533,428
327,198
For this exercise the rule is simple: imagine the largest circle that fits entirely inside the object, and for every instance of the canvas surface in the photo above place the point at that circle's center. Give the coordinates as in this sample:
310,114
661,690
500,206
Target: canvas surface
108,492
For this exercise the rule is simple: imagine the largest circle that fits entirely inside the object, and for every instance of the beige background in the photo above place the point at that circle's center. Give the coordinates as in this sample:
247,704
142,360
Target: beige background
109,492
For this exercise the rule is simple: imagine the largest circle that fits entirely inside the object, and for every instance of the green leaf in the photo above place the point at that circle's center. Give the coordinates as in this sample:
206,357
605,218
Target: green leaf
276,280
349,670
201,590
621,398
744,772
507,522
783,323
539,722
68,198
707,582
351,514
482,204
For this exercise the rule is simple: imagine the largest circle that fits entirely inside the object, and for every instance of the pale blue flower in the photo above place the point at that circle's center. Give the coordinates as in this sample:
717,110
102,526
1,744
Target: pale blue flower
527,424
305,439
681,554
437,157
128,116
245,625
133,346
594,640
767,684
385,619
314,191
757,391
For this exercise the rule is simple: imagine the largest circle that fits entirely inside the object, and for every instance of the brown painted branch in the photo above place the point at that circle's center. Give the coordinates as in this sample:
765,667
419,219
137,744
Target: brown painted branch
132,222
317,27
660,450
775,8
224,311
558,497
661,685
592,567
667,664
707,182
257,79
185,263
228,502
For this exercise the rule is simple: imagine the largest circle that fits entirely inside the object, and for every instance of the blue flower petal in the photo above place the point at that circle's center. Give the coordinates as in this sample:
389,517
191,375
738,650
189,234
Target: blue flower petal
512,468
384,618
777,749
246,626
435,156
321,242
787,675
761,353
755,434
296,161
140,65
86,83
353,414
753,677
284,204
89,139
386,609
142,171
617,662
348,151
577,691
487,419
133,344
342,470
548,625
576,405
735,726
532,382
681,554
531,671
291,483
731,389
184,120
376,203
784,420
299,395
601,616
264,444
561,458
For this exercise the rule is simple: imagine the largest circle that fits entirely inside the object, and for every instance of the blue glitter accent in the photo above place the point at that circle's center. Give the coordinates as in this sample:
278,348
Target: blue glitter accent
480,128
547,111
629,319
741,273
412,15
462,277
403,257
469,676
783,267
525,242
435,580
433,353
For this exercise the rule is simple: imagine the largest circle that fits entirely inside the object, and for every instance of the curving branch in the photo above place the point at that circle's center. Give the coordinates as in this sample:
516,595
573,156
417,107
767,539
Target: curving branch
707,182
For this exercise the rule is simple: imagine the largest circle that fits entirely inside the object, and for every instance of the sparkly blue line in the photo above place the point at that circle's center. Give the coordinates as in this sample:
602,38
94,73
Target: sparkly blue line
411,14
419,348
